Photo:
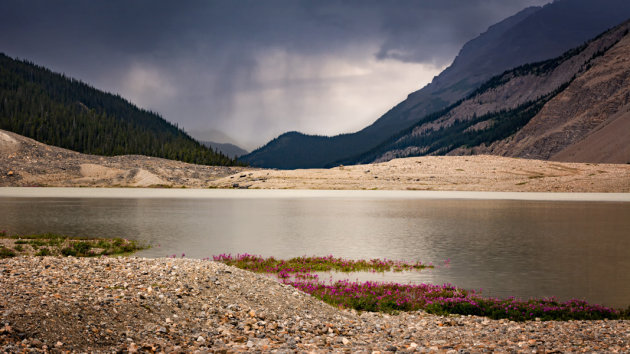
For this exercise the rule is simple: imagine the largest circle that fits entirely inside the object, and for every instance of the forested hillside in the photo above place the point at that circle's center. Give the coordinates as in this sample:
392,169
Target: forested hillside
64,112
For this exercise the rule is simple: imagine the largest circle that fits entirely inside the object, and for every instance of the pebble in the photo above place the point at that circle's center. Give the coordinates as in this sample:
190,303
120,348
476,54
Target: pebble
92,305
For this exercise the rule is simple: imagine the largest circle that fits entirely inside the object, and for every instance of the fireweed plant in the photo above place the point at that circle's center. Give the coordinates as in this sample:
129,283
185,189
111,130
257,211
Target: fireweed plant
392,297
305,265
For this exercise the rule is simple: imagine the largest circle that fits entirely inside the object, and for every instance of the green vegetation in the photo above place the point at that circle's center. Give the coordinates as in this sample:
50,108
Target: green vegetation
6,252
49,244
393,297
43,252
64,112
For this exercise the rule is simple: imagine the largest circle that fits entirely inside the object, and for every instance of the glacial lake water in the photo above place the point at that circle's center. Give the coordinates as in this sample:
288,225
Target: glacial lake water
507,244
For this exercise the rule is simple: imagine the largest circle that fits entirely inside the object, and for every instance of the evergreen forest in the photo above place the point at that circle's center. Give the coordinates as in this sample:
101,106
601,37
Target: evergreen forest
56,110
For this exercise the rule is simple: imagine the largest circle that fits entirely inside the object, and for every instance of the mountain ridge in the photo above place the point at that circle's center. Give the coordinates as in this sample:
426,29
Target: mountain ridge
579,21
510,103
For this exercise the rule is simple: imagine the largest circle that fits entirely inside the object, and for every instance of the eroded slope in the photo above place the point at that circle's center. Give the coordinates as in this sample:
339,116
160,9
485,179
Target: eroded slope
587,122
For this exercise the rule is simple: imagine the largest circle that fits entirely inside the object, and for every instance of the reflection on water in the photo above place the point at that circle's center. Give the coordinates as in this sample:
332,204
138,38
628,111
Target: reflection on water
505,247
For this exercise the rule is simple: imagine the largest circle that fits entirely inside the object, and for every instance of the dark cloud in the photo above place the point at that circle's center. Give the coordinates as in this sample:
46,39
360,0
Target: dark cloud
434,30
199,62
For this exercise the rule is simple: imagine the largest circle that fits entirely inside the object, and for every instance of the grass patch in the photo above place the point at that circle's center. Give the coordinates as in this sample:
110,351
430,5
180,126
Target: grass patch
49,244
43,252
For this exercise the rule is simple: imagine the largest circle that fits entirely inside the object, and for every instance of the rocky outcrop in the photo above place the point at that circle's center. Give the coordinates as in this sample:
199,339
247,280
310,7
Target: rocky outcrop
588,122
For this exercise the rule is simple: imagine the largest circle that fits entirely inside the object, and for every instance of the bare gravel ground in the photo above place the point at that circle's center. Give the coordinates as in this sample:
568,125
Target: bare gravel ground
446,173
52,304
25,162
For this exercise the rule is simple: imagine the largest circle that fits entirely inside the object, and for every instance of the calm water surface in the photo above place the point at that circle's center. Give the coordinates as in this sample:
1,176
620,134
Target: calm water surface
523,248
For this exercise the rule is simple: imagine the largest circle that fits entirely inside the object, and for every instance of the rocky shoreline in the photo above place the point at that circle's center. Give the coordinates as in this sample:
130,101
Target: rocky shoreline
51,304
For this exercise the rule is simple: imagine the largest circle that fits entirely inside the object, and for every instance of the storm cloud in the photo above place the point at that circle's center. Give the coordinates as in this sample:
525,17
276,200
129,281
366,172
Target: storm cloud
251,69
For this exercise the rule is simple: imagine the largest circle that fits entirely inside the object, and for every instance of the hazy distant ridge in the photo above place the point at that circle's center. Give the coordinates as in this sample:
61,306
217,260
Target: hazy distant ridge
226,149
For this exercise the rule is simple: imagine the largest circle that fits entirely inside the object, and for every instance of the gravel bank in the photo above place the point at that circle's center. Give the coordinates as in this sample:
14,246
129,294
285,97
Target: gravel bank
132,304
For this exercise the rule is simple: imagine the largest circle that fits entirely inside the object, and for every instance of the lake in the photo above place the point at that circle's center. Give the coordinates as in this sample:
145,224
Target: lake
507,244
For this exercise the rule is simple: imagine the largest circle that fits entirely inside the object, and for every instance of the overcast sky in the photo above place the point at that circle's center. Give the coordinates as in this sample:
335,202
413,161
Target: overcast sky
251,69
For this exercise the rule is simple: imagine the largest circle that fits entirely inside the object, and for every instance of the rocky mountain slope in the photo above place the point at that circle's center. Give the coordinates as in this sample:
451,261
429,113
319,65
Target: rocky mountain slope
533,34
587,122
552,106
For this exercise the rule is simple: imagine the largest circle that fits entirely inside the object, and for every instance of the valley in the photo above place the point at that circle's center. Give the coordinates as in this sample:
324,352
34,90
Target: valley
506,175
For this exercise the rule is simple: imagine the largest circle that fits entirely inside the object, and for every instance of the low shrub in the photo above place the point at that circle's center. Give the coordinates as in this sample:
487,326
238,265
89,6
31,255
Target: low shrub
6,252
44,251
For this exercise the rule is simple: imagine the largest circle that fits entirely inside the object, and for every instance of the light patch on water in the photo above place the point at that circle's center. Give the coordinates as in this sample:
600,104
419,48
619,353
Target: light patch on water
134,193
